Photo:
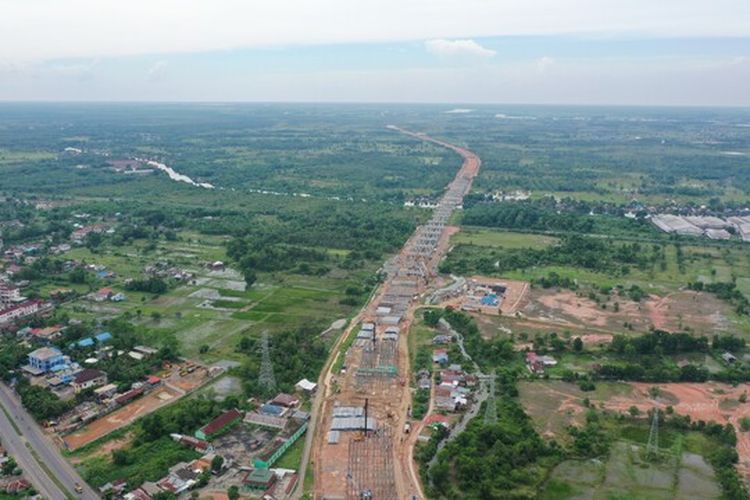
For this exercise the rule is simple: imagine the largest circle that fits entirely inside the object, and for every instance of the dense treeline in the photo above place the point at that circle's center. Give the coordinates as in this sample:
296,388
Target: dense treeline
659,342
12,355
153,285
548,215
295,242
645,358
653,372
370,229
595,254
42,403
253,256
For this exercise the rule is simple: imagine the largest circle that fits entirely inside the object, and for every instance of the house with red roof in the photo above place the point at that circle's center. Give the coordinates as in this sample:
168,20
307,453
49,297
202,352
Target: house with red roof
286,400
46,334
219,424
102,294
437,419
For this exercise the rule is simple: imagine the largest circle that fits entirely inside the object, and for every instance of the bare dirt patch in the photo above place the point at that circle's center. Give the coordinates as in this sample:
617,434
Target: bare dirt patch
105,449
177,383
596,339
554,405
120,418
708,402
674,312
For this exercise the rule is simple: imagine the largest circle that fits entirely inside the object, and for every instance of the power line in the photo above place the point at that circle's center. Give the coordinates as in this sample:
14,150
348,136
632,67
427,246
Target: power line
490,411
652,449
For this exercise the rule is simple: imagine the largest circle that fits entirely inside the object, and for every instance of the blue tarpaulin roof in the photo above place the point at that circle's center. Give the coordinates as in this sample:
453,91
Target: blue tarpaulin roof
489,300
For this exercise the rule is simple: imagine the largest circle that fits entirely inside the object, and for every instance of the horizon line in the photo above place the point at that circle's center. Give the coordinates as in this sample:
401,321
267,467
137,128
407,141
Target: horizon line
383,103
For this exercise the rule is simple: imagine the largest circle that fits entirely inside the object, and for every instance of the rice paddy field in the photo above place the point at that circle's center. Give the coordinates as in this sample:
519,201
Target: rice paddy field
626,475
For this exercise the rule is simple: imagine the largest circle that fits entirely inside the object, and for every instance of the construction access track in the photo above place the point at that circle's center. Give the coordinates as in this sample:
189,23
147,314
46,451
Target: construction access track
348,463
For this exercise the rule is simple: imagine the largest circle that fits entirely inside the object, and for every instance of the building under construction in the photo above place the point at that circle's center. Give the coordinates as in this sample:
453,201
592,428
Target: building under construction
373,359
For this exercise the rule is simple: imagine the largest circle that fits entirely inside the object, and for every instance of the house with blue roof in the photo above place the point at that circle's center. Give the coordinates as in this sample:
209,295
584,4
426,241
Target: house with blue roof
103,337
99,338
489,300
65,373
274,410
87,342
45,359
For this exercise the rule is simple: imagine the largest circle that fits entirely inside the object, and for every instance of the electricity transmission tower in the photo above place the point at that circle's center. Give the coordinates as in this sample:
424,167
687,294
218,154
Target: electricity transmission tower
490,412
266,378
652,449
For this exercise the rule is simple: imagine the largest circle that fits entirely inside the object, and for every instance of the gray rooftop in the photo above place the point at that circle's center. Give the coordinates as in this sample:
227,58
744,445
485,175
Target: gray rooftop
45,353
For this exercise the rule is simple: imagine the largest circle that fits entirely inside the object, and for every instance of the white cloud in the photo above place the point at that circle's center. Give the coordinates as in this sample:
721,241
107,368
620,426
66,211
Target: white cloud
53,29
82,71
448,48
543,64
156,71
656,81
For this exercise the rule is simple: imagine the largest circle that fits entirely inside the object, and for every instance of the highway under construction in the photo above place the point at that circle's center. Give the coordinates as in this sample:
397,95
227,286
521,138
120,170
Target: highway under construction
359,450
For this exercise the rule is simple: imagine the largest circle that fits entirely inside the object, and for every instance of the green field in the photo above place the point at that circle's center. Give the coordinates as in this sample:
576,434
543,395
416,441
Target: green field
9,157
292,456
704,263
502,239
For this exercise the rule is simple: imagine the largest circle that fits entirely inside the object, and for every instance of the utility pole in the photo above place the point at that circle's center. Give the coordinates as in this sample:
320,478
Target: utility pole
367,404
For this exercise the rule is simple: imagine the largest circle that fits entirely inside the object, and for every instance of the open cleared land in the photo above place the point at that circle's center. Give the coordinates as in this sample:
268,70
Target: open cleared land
556,310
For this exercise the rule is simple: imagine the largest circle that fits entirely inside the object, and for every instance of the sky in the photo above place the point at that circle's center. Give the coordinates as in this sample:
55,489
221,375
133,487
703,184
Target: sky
634,52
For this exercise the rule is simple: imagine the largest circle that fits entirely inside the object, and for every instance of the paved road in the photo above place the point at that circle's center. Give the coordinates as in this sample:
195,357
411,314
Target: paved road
33,438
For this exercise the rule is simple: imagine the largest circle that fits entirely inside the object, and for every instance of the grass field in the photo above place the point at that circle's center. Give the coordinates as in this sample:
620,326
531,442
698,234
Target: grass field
8,157
704,263
503,239
292,456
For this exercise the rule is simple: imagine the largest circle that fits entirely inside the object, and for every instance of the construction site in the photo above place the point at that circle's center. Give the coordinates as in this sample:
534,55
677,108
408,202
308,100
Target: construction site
360,450
482,294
